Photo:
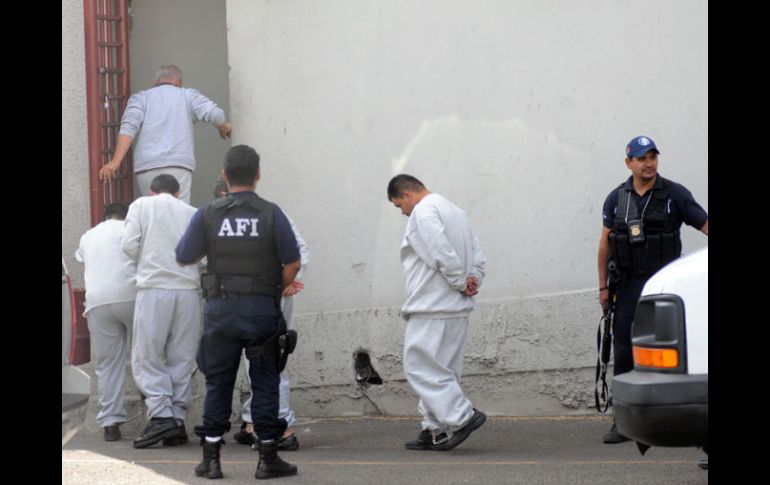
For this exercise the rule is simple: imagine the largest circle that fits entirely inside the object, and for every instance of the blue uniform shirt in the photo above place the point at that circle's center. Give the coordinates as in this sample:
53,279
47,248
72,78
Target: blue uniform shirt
681,205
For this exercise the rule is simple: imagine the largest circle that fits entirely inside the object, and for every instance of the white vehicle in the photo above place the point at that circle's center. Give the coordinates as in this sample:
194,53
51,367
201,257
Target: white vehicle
75,384
664,401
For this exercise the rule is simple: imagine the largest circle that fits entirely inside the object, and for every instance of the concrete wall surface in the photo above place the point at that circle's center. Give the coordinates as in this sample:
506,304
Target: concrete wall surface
517,111
74,138
525,356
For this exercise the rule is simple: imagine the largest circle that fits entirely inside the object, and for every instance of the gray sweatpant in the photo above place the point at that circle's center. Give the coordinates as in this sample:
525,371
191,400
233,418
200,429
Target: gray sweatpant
167,329
433,364
110,329
182,175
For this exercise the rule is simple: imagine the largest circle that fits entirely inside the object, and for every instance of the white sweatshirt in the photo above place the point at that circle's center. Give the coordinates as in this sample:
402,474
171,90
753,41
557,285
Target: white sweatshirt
304,249
154,226
438,253
109,273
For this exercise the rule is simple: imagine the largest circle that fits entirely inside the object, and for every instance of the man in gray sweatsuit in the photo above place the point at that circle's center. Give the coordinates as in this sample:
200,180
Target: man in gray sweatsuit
161,120
167,315
110,293
444,268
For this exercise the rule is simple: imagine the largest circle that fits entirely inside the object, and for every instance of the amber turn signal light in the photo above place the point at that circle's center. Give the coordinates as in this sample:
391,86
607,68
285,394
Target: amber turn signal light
664,358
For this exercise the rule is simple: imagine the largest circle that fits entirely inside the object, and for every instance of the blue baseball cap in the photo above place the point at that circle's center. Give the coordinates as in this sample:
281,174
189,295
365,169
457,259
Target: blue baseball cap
639,146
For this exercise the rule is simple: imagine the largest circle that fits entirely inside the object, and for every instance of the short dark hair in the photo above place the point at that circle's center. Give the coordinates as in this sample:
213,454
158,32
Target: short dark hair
116,210
221,189
241,165
164,184
402,182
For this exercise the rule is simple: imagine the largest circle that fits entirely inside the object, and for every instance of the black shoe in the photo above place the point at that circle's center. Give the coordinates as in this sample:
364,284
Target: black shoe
289,443
704,464
180,438
112,432
613,436
461,434
424,441
245,438
157,430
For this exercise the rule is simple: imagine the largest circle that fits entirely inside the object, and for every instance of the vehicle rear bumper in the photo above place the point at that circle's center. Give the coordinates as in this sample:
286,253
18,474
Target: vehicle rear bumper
660,409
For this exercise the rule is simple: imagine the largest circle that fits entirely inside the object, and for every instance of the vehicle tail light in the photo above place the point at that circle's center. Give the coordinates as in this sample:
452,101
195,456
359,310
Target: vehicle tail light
658,337
660,358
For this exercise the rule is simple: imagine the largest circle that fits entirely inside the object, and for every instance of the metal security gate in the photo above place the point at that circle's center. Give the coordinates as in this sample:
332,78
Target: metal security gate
107,92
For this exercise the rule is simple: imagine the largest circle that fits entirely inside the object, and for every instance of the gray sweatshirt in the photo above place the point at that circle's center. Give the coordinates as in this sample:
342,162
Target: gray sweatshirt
160,120
154,226
438,253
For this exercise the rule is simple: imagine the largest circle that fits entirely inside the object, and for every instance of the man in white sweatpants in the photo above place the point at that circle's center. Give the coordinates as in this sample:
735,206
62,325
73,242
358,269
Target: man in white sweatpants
288,441
443,268
110,293
167,315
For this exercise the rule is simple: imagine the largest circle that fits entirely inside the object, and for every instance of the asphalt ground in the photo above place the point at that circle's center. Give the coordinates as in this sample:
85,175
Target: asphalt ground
370,450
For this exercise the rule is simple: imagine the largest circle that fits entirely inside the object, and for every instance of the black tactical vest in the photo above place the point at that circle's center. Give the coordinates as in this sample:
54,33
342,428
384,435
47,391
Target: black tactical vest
661,243
241,247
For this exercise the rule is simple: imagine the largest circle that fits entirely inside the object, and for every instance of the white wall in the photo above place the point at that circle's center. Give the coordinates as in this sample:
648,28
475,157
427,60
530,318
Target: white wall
518,111
74,137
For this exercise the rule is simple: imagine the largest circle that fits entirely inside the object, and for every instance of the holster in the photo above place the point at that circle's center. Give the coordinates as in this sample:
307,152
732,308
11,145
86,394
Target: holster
286,345
276,348
210,285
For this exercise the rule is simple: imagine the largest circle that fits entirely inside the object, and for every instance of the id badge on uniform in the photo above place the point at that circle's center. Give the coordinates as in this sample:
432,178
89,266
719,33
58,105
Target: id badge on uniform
635,231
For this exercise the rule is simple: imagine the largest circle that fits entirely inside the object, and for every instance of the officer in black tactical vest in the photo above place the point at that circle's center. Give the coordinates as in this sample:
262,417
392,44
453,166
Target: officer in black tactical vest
252,256
640,233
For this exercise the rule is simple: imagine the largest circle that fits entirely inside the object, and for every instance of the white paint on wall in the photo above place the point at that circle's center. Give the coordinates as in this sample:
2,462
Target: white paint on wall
74,138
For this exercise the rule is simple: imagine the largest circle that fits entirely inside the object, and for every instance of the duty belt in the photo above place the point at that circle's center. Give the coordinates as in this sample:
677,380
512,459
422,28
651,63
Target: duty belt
214,285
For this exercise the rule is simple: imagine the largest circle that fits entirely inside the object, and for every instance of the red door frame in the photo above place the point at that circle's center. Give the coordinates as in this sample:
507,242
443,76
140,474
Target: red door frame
107,92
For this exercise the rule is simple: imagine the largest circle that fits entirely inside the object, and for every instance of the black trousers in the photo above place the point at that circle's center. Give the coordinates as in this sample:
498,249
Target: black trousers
230,324
625,307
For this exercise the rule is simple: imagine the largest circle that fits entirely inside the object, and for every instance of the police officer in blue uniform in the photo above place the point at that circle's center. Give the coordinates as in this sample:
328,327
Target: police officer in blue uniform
252,256
640,234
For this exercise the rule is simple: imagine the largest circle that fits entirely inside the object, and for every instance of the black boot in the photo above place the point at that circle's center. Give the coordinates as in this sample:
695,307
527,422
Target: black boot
270,464
210,466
